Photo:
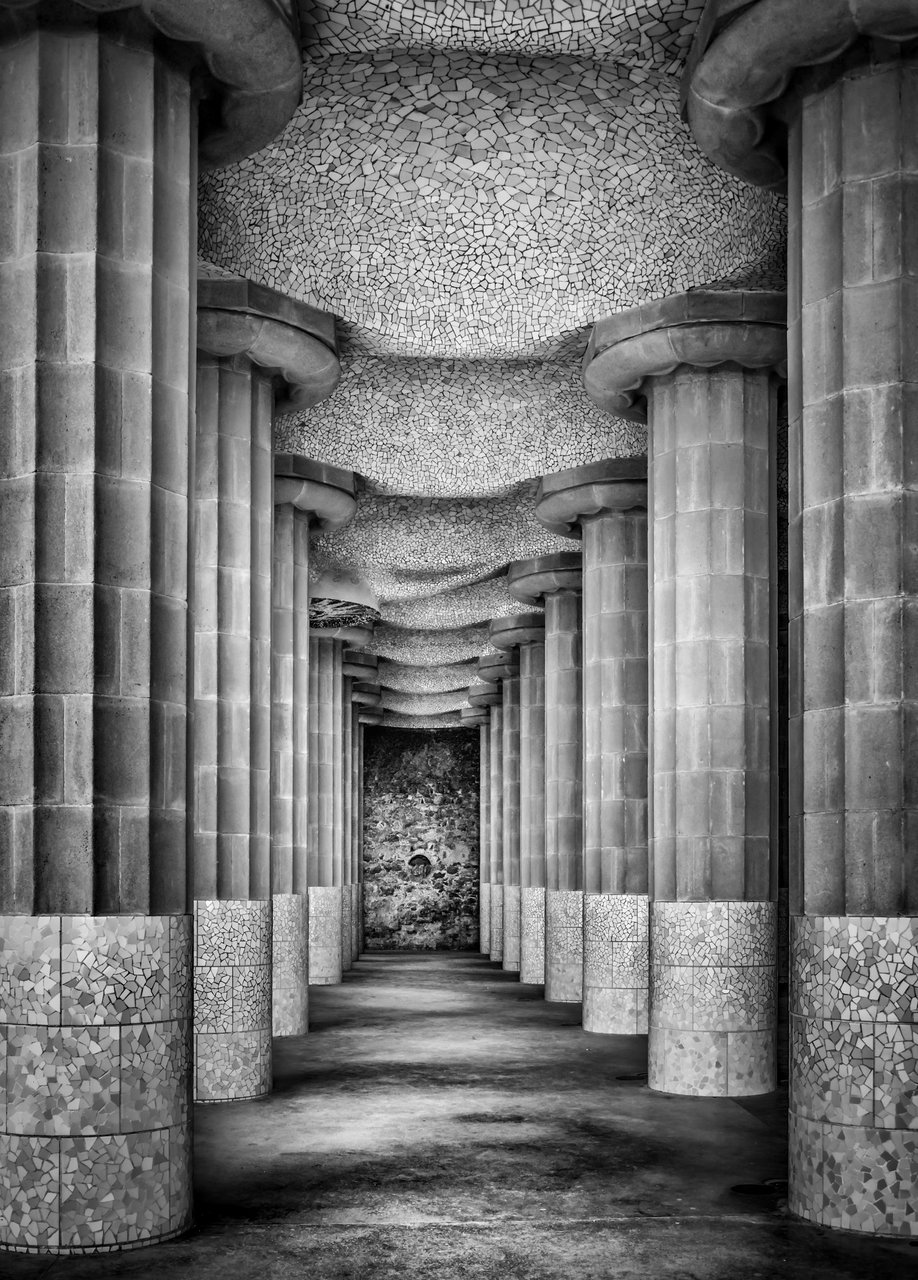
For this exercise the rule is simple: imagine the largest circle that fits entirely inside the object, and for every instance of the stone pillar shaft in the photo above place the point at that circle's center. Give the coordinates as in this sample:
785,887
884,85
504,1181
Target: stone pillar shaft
615,642
324,849
563,797
484,878
96,229
853,693
289,773
497,833
712,1003
232,739
532,813
510,709
345,806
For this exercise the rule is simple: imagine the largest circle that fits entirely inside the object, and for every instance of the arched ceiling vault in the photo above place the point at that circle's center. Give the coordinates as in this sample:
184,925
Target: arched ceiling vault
468,187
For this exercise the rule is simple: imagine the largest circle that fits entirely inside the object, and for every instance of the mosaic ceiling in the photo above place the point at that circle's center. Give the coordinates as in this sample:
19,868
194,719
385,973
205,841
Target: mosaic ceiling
468,186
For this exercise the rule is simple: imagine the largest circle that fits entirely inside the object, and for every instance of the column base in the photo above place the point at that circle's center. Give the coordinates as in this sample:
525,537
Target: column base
854,1072
712,998
95,1145
615,963
290,964
347,924
484,917
232,999
497,922
511,957
532,936
564,945
324,935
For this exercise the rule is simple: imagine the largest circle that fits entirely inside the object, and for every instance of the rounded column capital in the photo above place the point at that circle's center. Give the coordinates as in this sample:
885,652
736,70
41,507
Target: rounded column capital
366,693
327,494
741,70
517,629
360,665
485,695
530,580
475,715
368,716
566,498
494,667
701,329
250,48
281,335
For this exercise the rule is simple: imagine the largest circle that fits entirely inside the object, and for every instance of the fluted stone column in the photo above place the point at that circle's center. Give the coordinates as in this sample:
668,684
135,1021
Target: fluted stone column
523,635
98,132
323,858
605,505
503,669
556,579
488,697
365,694
853,197
305,494
705,364
481,716
347,820
368,716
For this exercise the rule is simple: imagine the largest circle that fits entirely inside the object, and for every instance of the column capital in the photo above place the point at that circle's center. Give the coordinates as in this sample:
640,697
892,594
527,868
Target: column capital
366,693
733,81
495,667
369,716
517,629
327,494
531,580
280,334
360,665
701,328
251,49
566,498
475,715
485,695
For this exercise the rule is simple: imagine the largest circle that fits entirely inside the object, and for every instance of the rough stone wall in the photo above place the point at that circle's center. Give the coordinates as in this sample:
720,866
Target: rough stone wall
421,792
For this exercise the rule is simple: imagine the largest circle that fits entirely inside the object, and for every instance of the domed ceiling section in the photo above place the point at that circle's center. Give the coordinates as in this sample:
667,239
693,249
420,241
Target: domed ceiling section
468,186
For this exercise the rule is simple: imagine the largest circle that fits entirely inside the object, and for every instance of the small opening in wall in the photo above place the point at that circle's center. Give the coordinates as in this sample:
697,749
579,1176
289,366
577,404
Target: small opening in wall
420,865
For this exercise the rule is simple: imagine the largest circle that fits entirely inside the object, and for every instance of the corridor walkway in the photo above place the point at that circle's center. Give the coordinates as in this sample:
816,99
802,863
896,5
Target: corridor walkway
440,1120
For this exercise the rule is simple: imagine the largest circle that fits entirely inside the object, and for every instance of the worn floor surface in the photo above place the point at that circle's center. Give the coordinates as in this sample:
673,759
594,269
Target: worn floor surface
441,1120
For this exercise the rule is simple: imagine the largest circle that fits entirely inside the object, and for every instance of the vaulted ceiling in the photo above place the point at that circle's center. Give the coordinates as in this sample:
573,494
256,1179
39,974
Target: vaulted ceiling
468,185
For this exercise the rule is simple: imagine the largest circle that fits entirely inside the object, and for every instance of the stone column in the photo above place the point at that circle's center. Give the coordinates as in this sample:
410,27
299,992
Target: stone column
331,635
853,197
346,819
489,695
481,716
524,635
556,579
705,364
504,669
305,494
365,695
98,134
605,505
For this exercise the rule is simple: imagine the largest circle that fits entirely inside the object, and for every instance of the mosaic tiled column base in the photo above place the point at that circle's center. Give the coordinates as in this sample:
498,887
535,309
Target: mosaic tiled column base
532,936
347,923
511,957
854,1072
232,999
324,935
712,998
95,1147
357,901
497,922
615,963
290,964
564,945
484,917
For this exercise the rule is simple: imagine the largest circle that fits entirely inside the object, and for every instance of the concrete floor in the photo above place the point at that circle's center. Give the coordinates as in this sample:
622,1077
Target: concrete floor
441,1120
